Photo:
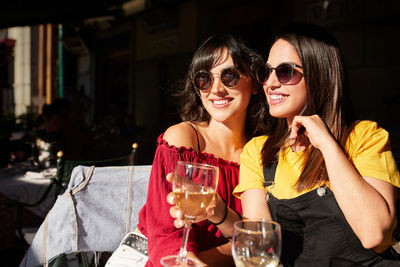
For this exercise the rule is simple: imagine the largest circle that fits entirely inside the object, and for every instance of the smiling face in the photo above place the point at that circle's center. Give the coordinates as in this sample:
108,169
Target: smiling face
285,101
227,104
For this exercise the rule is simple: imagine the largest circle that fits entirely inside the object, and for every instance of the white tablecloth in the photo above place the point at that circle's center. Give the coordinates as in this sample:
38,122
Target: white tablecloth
29,188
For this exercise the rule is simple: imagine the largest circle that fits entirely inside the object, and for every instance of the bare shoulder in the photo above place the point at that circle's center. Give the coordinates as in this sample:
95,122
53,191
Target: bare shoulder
181,134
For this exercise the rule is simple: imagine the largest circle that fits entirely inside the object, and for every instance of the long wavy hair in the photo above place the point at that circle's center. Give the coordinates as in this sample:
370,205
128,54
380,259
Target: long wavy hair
245,60
325,80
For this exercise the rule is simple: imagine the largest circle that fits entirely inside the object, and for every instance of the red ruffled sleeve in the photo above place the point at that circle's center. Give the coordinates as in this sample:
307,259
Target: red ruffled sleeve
154,219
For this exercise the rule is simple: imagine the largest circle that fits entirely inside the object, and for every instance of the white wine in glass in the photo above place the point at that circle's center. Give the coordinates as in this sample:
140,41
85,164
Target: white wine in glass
256,243
194,186
192,204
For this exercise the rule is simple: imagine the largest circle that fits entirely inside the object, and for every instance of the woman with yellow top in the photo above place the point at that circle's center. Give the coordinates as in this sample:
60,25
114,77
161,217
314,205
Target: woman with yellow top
330,182
333,189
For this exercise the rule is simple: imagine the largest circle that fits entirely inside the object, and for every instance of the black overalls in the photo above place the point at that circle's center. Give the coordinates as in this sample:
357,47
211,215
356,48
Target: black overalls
316,233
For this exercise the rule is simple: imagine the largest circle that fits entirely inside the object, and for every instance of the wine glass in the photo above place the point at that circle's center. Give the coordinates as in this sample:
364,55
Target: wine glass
194,186
256,243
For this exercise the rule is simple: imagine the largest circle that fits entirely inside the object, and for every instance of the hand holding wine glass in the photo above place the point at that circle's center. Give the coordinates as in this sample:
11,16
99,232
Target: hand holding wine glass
256,243
194,187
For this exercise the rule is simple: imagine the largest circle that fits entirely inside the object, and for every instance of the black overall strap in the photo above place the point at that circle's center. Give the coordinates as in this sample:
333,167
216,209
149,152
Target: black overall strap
310,219
269,173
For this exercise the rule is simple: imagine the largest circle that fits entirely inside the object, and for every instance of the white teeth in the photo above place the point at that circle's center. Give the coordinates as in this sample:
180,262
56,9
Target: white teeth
220,102
275,97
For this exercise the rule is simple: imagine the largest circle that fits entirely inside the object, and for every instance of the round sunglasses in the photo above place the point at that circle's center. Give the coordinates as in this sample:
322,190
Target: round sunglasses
285,72
230,77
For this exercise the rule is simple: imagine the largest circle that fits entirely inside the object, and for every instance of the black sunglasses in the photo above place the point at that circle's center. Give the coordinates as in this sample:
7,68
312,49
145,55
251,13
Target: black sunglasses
285,72
230,77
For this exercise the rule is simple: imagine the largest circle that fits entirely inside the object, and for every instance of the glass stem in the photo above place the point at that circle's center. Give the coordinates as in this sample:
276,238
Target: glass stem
183,252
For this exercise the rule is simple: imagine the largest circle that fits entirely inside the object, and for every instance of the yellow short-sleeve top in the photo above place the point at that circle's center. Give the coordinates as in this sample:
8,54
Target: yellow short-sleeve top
368,148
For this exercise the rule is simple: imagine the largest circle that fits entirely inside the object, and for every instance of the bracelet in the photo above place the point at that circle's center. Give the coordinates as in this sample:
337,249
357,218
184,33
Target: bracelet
226,214
230,237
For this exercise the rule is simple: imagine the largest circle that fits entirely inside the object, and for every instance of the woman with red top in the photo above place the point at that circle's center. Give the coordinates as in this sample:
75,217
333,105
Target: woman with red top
221,105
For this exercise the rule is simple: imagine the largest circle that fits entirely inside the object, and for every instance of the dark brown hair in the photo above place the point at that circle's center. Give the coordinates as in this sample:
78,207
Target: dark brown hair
245,60
324,77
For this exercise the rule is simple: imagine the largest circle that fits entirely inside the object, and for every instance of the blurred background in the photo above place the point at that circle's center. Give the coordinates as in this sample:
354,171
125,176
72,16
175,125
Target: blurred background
94,76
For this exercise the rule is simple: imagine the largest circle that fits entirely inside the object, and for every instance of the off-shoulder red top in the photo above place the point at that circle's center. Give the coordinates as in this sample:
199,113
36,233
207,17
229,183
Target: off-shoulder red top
154,219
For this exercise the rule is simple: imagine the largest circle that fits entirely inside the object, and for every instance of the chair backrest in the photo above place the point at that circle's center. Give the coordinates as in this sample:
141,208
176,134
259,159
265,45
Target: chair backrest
113,195
65,167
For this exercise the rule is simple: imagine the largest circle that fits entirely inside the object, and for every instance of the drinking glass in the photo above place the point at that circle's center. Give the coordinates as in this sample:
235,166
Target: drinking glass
194,186
256,243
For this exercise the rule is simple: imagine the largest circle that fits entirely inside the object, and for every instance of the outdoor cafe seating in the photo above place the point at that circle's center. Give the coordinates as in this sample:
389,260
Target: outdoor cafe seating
28,188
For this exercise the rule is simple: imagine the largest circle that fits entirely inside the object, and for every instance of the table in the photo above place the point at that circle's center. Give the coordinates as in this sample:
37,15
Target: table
28,187
17,184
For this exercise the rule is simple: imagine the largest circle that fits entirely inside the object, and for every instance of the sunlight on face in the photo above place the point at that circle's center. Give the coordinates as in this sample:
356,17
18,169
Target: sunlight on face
285,101
227,104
